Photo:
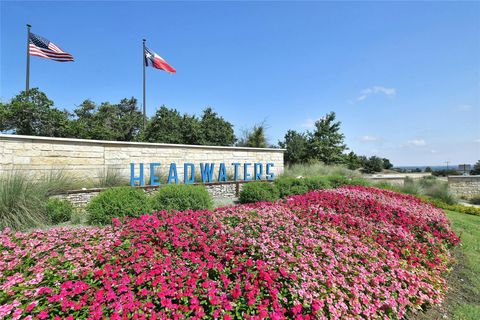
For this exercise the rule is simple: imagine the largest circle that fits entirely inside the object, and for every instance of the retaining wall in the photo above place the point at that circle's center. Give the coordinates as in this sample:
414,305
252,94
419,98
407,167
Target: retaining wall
91,159
464,186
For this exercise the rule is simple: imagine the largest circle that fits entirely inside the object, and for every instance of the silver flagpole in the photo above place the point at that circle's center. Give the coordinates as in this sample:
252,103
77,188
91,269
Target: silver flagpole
144,99
27,81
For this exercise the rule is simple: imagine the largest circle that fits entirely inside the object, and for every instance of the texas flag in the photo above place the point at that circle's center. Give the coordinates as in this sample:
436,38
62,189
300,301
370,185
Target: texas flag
154,60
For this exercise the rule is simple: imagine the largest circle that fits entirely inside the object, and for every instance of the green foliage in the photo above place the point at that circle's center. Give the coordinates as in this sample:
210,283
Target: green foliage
254,137
182,197
58,210
117,122
452,207
22,203
116,203
445,173
216,131
164,127
23,200
326,142
466,226
439,190
475,199
317,183
387,164
428,169
33,114
338,181
288,186
258,191
476,168
352,161
296,147
411,187
169,126
317,169
374,164
257,138
111,178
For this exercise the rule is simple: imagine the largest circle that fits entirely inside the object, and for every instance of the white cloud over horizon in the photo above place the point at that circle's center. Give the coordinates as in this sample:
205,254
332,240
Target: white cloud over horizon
416,143
368,138
365,93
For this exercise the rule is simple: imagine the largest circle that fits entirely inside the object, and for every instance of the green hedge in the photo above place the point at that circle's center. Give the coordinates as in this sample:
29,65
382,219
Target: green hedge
259,191
58,210
288,186
181,197
117,203
452,207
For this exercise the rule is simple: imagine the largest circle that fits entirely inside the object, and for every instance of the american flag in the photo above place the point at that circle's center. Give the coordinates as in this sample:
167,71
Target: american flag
42,47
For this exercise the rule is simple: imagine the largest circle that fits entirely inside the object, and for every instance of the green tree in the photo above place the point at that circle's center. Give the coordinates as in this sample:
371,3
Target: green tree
295,144
192,130
166,126
257,138
387,164
476,168
352,161
34,115
118,122
326,142
216,131
373,164
428,169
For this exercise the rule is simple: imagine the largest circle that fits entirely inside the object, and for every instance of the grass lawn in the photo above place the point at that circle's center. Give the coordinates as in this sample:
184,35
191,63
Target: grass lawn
466,278
463,299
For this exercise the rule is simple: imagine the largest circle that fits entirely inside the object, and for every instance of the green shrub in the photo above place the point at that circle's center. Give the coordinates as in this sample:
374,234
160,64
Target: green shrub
258,191
411,187
338,181
288,186
317,169
452,207
441,192
116,203
428,181
475,199
317,183
358,182
182,197
58,210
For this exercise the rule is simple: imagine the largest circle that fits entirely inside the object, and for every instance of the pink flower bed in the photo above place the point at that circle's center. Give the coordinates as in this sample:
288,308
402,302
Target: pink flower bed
352,252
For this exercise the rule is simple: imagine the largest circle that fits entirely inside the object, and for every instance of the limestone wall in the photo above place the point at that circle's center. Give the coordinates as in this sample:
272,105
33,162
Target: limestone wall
91,159
464,186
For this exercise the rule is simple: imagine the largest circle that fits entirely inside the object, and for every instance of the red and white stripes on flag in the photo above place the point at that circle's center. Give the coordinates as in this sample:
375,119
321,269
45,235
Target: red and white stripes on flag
154,60
41,47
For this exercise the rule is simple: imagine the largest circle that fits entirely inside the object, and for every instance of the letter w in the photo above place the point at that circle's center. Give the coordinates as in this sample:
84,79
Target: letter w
207,171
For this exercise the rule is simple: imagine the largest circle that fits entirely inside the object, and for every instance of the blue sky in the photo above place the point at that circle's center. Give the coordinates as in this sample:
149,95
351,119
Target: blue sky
404,78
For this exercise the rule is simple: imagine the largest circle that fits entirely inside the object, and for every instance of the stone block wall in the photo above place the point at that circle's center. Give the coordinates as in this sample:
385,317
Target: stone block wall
464,186
91,159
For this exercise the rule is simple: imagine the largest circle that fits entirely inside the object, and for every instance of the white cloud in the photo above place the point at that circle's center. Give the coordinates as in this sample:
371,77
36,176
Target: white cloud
365,93
476,140
309,123
369,138
464,108
416,143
